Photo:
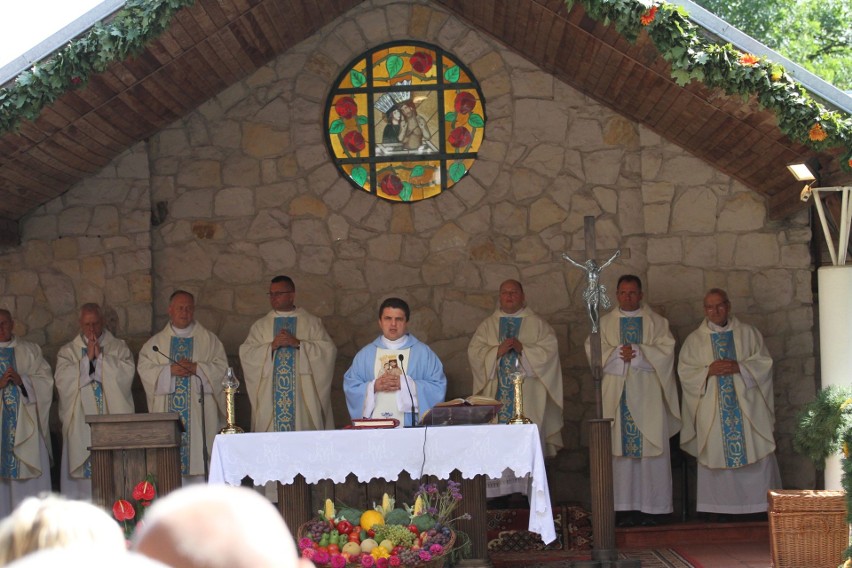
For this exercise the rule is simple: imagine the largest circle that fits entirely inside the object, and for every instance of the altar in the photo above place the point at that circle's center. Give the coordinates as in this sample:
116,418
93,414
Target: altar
296,459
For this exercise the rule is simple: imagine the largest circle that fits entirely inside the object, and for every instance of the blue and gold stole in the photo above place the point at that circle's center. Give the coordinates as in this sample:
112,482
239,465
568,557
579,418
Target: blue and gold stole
509,327
730,414
11,398
180,349
98,393
284,378
631,437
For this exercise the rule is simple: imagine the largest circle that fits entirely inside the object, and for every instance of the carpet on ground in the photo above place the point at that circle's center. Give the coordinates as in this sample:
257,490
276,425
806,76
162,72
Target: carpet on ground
649,558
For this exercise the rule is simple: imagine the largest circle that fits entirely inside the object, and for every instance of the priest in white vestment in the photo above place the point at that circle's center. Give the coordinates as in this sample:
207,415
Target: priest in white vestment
376,388
288,364
189,362
26,386
513,339
639,394
728,411
94,375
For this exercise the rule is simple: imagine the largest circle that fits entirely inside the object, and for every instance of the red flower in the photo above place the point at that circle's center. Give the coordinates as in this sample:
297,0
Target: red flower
144,491
346,107
421,61
75,80
816,133
648,16
122,510
391,184
748,59
464,102
353,141
460,137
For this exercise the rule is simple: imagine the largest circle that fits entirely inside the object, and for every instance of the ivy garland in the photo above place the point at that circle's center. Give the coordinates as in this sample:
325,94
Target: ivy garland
693,57
824,428
71,67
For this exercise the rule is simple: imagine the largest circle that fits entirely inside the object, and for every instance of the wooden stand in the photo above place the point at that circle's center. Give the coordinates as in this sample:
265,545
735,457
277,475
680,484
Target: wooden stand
127,447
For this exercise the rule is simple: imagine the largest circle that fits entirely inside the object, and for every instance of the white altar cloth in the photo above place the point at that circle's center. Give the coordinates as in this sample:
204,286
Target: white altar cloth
334,454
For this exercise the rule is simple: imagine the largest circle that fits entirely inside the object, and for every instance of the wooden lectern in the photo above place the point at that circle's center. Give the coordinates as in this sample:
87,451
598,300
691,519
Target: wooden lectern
127,447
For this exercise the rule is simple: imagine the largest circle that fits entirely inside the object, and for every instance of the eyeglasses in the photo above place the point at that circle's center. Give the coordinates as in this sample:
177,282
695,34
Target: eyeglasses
276,294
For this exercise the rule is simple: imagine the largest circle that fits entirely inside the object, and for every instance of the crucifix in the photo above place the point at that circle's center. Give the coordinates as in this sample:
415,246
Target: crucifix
600,435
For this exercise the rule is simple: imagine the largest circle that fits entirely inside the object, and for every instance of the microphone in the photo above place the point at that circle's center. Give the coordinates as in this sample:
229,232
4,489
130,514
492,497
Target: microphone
410,396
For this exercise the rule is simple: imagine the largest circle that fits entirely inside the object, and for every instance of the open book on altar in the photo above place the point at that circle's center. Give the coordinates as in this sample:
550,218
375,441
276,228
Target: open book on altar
471,410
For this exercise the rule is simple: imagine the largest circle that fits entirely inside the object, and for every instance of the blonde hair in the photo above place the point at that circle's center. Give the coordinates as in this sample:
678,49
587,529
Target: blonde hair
51,521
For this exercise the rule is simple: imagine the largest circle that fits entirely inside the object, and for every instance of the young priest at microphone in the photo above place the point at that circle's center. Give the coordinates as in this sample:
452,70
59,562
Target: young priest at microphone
175,366
395,376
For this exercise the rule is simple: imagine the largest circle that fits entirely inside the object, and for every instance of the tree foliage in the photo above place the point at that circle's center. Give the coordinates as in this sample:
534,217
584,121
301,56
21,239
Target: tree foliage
816,34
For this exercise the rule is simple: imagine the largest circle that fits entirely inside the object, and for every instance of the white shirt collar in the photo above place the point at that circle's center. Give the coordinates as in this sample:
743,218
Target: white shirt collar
395,344
185,332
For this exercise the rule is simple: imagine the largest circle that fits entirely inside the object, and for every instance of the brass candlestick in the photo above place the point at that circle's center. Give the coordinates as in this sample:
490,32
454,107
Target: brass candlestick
519,418
230,383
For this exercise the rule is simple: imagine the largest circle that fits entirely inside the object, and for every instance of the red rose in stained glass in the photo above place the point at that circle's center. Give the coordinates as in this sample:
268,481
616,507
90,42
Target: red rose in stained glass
421,61
144,491
122,510
353,141
464,102
391,184
346,107
460,137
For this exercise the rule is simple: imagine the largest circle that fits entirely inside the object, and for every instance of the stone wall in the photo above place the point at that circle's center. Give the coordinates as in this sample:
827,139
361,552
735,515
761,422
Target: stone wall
242,189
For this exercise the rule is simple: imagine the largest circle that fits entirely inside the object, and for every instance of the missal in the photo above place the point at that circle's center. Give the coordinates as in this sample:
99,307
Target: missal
474,409
362,423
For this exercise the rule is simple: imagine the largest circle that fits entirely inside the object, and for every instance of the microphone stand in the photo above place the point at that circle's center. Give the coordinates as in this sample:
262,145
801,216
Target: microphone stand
414,412
204,452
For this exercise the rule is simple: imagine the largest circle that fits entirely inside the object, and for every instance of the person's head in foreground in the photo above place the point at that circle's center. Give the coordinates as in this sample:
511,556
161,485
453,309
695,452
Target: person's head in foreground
217,526
51,521
93,557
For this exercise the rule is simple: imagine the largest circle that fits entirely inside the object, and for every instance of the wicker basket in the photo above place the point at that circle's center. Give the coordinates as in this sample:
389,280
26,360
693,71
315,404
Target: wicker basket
437,562
807,528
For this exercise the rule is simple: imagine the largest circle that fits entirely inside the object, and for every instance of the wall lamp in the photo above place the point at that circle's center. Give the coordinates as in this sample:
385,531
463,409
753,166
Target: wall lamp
807,171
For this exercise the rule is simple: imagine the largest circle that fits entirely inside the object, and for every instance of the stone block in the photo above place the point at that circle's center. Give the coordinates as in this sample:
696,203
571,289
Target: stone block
694,211
743,212
665,250
603,167
385,247
757,250
531,250
449,236
699,251
772,289
545,213
277,255
686,170
672,283
316,259
509,219
656,218
188,262
74,220
132,261
200,174
541,120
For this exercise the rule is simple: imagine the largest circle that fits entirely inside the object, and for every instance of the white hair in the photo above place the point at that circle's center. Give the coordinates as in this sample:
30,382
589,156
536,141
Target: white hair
216,526
51,521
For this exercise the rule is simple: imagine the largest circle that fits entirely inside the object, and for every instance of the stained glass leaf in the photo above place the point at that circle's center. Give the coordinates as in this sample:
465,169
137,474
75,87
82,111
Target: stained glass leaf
450,117
457,171
405,194
362,119
359,175
452,74
417,171
476,120
393,65
358,79
336,127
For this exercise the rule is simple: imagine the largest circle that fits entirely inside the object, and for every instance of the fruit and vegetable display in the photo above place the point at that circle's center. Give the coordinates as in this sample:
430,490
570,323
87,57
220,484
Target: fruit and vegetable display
384,536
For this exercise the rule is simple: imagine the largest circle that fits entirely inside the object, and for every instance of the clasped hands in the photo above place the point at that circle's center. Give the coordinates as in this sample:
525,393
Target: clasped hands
10,375
184,368
387,382
93,349
285,339
509,344
723,367
627,353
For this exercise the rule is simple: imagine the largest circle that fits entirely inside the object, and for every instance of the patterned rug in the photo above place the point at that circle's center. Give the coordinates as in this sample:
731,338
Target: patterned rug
649,558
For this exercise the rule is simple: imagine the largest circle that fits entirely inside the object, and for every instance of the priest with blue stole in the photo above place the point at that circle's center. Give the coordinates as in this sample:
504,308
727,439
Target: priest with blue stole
639,394
288,363
26,387
514,339
395,376
728,411
178,366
